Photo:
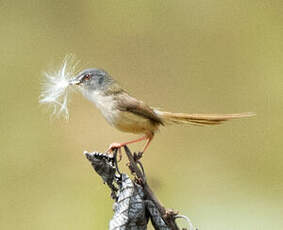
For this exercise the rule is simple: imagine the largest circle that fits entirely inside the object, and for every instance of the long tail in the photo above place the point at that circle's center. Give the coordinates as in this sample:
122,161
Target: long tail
199,119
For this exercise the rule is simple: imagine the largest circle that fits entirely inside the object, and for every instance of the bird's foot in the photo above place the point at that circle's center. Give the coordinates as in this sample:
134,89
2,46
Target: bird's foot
138,156
116,146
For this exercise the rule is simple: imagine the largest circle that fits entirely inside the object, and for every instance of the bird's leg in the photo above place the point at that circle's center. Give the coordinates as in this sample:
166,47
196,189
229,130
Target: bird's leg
148,140
120,145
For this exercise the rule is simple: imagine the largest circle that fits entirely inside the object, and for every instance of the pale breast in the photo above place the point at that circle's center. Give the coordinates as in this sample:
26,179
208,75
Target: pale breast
123,120
105,104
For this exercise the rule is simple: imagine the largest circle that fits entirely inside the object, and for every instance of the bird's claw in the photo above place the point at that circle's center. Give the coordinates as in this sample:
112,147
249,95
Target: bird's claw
115,146
138,156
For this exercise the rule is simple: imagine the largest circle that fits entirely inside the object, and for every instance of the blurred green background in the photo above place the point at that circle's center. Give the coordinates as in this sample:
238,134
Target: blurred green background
187,56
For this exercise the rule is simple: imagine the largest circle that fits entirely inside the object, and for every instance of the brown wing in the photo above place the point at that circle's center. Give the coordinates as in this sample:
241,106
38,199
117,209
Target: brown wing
127,103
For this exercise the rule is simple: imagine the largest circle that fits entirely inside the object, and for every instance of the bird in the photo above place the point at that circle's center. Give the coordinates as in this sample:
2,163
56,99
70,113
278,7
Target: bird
129,114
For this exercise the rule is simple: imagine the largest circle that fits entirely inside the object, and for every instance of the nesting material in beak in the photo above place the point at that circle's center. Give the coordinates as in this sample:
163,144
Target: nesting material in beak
55,87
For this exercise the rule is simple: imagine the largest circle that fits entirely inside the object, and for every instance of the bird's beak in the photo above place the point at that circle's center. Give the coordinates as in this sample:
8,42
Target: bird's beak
75,81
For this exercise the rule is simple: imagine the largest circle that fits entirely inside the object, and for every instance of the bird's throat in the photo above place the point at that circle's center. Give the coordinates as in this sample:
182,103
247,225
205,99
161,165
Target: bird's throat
105,103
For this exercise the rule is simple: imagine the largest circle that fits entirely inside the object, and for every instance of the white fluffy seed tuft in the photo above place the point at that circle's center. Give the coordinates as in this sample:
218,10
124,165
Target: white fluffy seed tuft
55,87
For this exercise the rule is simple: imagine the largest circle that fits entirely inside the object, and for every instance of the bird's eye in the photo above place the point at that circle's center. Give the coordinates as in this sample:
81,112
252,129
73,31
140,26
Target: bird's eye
87,77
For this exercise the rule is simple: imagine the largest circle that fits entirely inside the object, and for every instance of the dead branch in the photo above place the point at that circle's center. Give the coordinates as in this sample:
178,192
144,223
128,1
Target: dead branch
135,202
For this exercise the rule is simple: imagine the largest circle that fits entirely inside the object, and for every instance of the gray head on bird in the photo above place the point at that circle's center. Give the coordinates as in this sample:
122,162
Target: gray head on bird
92,79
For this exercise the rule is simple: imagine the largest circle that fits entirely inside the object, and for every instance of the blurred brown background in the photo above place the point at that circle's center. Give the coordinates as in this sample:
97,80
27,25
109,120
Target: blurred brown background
188,56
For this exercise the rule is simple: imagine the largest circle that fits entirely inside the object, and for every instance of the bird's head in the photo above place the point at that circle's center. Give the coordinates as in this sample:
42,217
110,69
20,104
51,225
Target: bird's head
92,80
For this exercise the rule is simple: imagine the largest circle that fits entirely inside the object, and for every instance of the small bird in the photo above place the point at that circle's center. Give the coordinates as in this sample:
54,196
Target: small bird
128,114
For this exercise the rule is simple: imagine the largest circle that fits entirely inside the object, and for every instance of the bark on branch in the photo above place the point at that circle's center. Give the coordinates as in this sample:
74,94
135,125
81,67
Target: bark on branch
135,202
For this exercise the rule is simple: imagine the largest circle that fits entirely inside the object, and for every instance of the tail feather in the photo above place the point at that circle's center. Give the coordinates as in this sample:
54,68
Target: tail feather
200,119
